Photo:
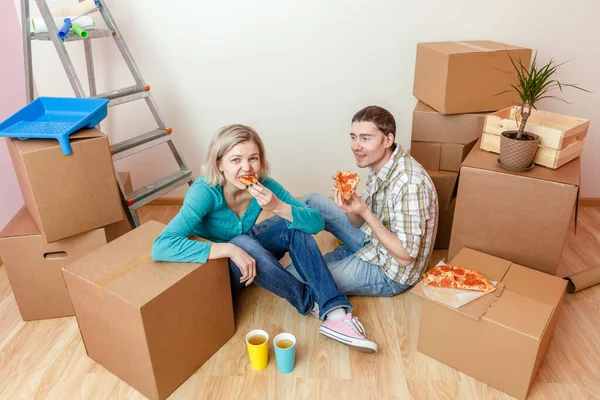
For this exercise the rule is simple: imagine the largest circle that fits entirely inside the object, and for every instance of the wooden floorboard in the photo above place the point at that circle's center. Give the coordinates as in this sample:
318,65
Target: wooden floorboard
47,360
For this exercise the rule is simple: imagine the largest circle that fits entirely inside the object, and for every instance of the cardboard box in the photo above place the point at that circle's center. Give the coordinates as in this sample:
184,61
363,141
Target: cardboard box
150,323
561,137
466,77
429,125
67,194
440,156
500,338
445,183
519,216
34,267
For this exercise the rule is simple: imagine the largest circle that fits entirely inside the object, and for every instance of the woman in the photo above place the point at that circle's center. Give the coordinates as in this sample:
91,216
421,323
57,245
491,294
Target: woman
220,208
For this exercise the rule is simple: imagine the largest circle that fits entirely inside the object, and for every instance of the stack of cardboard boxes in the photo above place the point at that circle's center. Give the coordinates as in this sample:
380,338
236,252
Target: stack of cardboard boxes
72,206
510,226
71,251
456,83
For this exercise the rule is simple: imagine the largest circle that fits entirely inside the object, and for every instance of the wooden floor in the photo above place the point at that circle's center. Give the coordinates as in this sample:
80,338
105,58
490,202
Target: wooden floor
47,360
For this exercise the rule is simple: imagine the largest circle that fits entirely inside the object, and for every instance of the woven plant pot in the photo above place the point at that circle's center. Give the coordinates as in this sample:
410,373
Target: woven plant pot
517,155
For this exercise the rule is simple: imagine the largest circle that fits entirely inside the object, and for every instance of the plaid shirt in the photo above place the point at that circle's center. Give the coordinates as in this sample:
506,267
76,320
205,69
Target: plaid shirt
403,198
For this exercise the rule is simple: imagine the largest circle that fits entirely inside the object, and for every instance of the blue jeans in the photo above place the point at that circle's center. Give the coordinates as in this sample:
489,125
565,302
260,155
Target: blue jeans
267,243
352,275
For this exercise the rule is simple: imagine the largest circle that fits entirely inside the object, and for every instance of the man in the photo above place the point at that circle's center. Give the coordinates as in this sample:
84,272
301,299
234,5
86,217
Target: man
387,234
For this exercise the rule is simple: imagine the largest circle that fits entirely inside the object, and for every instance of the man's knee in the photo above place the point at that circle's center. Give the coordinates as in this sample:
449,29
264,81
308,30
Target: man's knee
314,200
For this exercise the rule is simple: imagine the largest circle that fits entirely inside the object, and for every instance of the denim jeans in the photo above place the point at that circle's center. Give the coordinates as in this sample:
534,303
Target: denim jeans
267,243
352,275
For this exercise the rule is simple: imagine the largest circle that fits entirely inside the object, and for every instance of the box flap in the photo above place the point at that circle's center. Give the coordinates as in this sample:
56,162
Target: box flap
469,46
444,182
29,145
568,173
125,268
534,284
520,313
20,225
474,310
493,268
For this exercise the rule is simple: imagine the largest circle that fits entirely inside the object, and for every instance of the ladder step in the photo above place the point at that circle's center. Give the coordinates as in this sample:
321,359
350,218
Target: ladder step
125,95
140,143
92,34
158,188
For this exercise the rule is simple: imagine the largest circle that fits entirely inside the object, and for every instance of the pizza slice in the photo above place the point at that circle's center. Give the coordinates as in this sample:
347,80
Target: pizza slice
346,183
248,180
449,276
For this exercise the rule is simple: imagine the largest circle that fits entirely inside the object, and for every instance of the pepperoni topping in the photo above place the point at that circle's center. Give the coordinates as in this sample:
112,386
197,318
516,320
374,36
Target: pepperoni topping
435,272
347,188
446,268
459,271
433,284
446,283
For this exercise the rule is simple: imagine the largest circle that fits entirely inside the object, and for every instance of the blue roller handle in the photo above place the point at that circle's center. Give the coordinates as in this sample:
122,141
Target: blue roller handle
62,34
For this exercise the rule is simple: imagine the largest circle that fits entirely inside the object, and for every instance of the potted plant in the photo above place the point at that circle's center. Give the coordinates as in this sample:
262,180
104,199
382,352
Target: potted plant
517,148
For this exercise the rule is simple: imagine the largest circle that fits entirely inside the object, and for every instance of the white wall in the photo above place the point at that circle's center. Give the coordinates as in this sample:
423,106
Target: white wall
297,71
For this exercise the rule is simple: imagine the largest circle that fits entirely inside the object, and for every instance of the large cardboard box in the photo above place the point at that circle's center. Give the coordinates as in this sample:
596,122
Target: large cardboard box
429,125
561,137
150,323
34,267
445,183
440,156
519,216
467,77
500,338
67,194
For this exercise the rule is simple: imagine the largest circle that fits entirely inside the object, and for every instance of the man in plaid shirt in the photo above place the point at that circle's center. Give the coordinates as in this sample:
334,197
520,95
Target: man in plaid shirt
387,234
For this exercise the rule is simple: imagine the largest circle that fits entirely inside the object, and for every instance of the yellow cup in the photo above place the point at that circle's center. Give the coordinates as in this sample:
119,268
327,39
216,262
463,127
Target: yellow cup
257,342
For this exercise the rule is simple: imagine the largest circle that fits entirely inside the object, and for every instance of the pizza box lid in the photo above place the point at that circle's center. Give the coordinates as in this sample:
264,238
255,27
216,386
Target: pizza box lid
524,299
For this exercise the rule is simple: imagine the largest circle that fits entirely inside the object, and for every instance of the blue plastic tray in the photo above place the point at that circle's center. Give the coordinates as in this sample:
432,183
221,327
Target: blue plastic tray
55,118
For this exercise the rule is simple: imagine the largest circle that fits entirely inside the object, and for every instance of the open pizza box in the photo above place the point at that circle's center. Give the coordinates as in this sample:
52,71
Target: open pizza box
500,338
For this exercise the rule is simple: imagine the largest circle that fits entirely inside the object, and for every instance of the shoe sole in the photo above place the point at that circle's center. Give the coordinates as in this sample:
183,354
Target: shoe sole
367,347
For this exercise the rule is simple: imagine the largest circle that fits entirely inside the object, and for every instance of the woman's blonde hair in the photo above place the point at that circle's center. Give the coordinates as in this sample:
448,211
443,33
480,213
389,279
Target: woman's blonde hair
225,139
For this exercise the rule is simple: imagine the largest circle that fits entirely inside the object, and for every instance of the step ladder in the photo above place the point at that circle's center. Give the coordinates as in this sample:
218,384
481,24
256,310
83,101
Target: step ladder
141,90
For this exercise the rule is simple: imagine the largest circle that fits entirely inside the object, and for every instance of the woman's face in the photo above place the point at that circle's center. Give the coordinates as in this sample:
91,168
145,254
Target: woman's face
242,159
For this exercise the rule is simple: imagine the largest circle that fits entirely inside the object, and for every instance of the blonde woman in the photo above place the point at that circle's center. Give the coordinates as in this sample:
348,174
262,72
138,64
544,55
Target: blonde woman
223,210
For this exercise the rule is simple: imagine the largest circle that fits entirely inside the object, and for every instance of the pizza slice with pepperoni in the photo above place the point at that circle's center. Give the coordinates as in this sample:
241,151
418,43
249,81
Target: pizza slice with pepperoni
346,183
248,179
449,276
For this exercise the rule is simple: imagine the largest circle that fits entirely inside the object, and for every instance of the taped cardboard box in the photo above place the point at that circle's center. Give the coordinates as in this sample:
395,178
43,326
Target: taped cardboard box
466,76
428,125
520,216
34,267
445,183
500,338
67,194
561,137
440,156
150,323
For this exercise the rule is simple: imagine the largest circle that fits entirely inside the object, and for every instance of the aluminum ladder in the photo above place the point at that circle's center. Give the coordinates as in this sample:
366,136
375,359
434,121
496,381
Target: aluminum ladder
141,90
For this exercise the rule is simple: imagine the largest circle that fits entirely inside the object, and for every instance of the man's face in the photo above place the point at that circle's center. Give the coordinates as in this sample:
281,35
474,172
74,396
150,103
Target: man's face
369,145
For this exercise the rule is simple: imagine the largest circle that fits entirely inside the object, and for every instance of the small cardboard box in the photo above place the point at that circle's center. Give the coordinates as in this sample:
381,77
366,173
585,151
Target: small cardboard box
440,156
67,194
467,77
429,125
445,183
34,267
502,337
519,216
150,323
561,137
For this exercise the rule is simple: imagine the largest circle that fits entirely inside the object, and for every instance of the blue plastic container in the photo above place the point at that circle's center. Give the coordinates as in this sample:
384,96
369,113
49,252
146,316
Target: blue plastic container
55,118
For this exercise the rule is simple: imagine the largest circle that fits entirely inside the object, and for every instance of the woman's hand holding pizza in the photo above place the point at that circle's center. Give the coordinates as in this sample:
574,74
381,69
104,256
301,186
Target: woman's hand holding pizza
264,197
